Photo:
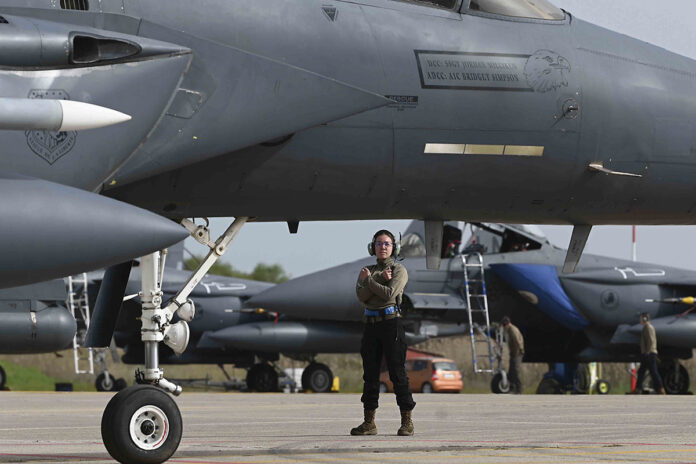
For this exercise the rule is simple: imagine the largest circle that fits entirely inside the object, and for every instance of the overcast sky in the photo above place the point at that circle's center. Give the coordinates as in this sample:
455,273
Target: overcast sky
667,23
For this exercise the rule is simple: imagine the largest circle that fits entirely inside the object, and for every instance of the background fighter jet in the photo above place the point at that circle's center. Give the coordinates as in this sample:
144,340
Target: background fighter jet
224,331
590,315
297,110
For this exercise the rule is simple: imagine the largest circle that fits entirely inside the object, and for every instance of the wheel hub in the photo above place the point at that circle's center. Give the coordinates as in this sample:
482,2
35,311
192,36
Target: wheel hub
320,380
149,427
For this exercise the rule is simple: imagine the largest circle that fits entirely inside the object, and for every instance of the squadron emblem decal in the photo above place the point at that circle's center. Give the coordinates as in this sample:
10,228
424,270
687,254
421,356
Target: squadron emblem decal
546,70
50,145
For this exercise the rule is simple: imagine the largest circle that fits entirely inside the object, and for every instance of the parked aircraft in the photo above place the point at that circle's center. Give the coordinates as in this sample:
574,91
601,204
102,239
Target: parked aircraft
307,110
590,315
224,331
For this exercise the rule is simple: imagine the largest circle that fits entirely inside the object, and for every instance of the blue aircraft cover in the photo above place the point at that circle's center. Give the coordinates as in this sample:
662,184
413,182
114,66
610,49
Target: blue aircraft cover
542,280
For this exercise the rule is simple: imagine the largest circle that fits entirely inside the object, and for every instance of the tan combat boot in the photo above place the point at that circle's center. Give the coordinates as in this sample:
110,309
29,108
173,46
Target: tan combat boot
368,427
406,429
662,391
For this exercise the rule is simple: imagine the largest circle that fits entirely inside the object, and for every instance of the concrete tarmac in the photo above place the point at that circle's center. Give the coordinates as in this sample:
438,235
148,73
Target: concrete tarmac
313,428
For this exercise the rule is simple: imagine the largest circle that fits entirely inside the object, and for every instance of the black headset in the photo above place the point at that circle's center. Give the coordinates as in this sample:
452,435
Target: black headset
396,249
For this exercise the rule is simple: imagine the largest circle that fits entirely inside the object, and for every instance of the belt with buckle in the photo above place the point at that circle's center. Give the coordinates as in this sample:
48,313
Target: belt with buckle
381,312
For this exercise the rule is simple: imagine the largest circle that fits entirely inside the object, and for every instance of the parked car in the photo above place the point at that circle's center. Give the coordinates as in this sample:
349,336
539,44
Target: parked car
427,375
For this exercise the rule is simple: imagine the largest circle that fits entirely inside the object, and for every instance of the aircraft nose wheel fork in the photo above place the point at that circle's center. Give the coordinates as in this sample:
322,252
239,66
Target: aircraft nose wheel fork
149,427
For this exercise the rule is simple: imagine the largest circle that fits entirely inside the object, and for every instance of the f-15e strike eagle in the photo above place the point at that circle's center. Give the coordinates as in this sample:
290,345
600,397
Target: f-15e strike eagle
296,110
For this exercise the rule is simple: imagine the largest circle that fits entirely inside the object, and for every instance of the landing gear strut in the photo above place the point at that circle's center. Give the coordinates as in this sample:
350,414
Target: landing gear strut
142,423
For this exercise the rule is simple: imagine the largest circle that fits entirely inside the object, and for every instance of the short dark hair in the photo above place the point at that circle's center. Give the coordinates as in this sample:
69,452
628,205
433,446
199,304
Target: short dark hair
384,232
645,317
505,320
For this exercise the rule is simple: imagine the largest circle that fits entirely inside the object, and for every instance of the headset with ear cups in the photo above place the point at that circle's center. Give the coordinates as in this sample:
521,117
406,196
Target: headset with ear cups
396,249
645,317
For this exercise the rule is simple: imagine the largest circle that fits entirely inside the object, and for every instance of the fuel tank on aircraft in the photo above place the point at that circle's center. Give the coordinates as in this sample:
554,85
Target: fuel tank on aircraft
313,336
33,320
51,230
676,331
292,337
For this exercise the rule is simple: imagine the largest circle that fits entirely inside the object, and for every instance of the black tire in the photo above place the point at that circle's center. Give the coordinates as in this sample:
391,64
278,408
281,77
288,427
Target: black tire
153,412
262,378
3,378
104,383
549,387
581,378
498,386
603,387
120,384
318,378
676,381
427,388
383,387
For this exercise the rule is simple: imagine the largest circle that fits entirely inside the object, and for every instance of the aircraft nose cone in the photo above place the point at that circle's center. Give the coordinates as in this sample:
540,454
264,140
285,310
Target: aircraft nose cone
55,329
51,230
327,295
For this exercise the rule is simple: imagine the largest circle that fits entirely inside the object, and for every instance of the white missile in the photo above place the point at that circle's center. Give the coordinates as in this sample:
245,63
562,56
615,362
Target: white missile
55,115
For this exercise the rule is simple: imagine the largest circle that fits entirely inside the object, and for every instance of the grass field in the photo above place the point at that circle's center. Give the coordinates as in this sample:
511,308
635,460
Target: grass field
41,372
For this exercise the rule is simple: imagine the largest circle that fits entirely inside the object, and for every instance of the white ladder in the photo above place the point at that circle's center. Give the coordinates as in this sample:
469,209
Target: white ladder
78,304
477,309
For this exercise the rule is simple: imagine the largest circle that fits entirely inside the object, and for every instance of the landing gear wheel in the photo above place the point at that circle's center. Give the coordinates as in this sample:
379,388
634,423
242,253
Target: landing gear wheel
262,378
676,381
500,384
383,387
549,387
3,378
141,424
426,388
105,383
603,387
317,377
120,384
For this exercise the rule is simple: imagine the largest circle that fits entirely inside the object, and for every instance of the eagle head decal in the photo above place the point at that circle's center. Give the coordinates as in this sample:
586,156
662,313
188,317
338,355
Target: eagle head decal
546,70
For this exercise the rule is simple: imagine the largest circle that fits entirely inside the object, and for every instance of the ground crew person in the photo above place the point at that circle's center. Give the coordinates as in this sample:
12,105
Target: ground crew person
516,347
648,357
379,289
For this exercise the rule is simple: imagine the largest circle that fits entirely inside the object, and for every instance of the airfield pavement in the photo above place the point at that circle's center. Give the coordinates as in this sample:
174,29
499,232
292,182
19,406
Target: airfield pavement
313,428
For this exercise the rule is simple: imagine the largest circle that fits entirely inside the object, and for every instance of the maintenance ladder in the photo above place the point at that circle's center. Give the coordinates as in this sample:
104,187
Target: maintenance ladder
482,347
78,304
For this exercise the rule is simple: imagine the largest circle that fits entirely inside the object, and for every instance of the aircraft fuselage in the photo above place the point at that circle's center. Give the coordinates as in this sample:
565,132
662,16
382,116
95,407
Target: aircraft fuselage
493,119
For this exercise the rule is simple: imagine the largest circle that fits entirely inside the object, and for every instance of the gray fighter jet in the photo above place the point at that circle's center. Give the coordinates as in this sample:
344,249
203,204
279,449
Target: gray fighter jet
225,331
590,315
293,110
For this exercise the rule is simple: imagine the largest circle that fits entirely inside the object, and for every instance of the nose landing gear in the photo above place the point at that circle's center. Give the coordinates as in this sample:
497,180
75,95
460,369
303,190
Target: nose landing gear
142,424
